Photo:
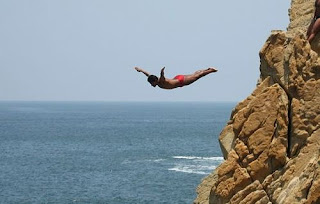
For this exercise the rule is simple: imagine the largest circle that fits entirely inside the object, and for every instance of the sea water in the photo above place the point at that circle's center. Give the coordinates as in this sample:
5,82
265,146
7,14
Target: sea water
108,152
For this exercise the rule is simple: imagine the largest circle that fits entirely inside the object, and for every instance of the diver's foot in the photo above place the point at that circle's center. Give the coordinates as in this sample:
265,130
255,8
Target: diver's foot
138,69
212,69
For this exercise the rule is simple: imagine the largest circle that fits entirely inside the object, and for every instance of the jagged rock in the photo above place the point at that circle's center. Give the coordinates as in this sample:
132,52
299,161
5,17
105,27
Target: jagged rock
204,188
271,144
253,193
298,181
300,13
260,148
227,139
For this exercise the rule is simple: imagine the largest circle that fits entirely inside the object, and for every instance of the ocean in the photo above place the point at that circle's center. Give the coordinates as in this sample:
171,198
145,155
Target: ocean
108,152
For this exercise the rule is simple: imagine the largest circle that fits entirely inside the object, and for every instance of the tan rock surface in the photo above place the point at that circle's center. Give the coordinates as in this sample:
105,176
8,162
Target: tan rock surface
271,144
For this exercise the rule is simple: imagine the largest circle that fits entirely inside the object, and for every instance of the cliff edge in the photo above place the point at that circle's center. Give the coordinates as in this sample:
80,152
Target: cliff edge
271,144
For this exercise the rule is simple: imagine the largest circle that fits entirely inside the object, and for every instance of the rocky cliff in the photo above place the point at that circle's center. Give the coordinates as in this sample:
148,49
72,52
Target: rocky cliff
271,144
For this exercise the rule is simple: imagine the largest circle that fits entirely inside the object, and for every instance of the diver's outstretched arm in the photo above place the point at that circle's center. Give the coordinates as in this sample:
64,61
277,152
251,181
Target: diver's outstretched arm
162,74
141,70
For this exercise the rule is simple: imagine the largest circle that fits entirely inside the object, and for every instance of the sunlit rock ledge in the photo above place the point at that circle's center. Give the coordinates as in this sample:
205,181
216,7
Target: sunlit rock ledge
271,144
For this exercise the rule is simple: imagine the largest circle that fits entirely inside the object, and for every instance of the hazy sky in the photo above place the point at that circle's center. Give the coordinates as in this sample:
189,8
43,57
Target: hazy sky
86,49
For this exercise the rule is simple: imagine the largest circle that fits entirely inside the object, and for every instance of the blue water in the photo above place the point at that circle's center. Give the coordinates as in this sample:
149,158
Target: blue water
102,152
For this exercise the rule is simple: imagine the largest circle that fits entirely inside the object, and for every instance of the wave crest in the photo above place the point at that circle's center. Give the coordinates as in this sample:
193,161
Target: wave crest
199,158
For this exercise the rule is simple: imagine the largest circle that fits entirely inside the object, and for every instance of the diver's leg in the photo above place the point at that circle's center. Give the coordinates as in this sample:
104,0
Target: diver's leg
189,79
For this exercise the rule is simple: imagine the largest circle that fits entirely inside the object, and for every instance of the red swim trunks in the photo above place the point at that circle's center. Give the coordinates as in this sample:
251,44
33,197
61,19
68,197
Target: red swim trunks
180,79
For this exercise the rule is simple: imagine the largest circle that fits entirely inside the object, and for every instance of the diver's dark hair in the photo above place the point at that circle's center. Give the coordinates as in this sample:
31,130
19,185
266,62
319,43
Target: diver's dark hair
152,78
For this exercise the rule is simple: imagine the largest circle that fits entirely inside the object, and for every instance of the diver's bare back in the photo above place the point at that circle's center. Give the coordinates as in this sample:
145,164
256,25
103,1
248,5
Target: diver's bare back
168,83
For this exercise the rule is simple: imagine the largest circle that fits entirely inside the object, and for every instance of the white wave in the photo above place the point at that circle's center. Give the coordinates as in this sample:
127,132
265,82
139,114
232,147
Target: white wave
195,164
127,161
159,160
187,171
198,158
193,169
210,168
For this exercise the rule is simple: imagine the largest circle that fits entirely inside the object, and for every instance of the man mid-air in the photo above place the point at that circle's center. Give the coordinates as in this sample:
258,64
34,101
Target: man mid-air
177,81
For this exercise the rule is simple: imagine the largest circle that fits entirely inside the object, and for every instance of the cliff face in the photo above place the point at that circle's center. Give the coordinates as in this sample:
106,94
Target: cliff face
271,144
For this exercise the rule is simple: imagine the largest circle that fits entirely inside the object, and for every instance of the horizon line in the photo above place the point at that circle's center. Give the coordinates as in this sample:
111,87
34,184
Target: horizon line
120,101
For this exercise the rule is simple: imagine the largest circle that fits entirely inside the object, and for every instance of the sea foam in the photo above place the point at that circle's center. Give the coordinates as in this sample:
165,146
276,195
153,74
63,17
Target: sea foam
195,164
198,158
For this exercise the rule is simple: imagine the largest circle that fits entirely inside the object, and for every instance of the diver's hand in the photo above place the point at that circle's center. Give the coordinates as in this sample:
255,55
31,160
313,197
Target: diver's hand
138,69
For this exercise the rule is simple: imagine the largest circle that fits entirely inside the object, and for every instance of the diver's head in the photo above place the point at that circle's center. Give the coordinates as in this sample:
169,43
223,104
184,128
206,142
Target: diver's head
153,80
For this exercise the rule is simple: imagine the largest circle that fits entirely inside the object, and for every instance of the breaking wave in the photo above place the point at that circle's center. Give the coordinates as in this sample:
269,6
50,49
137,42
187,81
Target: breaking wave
195,165
193,169
198,158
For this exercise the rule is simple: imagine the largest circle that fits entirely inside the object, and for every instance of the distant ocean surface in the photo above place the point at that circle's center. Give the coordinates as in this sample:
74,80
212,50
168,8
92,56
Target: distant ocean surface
108,152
